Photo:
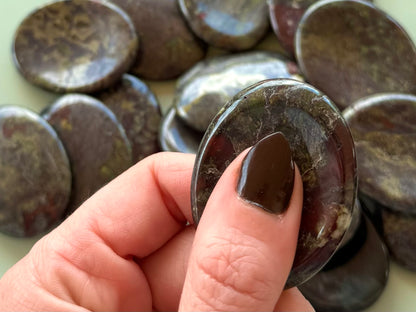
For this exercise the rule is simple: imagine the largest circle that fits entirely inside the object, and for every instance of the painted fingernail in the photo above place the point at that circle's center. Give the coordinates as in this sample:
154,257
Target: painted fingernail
267,174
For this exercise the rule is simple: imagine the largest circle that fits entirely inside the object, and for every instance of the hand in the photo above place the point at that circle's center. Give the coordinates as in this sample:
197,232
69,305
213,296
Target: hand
129,247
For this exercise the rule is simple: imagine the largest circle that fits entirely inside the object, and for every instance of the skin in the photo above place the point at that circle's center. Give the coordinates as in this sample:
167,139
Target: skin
128,248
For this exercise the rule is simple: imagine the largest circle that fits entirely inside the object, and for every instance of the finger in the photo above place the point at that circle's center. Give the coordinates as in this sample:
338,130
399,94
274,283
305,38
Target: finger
140,210
292,300
241,254
165,270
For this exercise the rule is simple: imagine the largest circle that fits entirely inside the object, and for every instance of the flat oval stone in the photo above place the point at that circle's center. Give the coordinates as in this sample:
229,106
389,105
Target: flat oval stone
231,25
356,275
384,131
285,16
345,48
35,177
175,136
75,46
322,148
399,234
138,110
206,87
97,146
167,46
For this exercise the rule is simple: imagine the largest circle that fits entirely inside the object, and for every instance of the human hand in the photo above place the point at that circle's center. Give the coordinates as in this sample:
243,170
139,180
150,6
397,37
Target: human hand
129,247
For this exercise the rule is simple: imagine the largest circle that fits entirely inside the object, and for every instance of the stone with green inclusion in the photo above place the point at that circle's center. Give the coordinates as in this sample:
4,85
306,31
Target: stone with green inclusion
96,143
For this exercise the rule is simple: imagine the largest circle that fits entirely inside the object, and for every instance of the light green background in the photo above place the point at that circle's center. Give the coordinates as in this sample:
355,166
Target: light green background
400,293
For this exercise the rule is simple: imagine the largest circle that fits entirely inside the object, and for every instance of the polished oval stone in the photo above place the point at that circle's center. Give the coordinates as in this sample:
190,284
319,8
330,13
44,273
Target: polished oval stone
175,136
350,49
75,46
35,177
285,16
322,148
231,25
399,234
167,45
138,110
97,146
356,275
207,86
384,130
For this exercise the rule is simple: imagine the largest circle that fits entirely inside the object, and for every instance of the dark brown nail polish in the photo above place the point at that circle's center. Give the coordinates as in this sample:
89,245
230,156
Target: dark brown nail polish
267,174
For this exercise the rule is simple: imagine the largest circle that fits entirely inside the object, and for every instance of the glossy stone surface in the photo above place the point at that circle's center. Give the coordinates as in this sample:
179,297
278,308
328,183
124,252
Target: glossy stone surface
75,46
167,45
285,16
175,136
138,110
231,25
384,131
322,148
355,276
96,144
399,234
350,49
35,177
210,84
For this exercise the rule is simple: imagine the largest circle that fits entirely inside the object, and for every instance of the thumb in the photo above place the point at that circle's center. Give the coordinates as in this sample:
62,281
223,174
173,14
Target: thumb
246,240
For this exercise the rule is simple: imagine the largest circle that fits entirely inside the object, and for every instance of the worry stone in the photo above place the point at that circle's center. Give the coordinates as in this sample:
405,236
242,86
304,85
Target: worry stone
231,25
175,136
75,46
138,110
285,16
384,131
399,234
355,277
322,148
35,177
351,49
206,87
96,144
167,45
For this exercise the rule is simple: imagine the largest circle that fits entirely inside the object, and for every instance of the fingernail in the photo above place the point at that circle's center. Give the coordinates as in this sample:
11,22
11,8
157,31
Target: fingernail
267,174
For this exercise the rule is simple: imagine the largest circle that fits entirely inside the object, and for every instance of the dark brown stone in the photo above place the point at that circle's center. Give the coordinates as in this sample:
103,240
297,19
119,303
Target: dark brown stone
167,46
356,275
285,16
322,148
75,46
205,88
384,131
175,136
138,110
350,49
96,144
231,25
35,177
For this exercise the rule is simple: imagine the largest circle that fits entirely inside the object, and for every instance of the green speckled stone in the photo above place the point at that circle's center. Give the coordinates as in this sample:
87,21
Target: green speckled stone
75,45
285,16
234,25
351,49
176,136
356,275
206,87
96,143
384,131
399,234
138,110
322,148
35,177
167,45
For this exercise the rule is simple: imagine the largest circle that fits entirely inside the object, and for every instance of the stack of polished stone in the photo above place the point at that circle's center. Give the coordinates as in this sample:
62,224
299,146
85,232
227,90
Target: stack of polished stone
344,77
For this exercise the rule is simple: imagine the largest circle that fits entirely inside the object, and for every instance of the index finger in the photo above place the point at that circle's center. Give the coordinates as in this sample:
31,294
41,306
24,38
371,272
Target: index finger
140,210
